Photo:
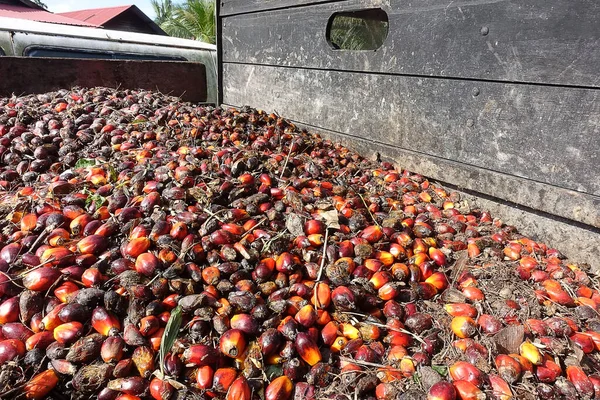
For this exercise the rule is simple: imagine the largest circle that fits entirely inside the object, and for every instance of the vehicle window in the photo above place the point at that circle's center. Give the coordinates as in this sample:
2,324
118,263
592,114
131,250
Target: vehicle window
58,52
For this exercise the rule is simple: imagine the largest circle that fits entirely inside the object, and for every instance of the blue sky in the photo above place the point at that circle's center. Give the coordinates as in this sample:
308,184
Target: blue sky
59,6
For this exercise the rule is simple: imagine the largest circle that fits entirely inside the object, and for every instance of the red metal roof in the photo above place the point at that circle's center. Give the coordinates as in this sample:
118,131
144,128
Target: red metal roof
10,11
97,16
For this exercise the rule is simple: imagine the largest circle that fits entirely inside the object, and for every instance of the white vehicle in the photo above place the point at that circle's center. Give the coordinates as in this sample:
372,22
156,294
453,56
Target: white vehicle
24,38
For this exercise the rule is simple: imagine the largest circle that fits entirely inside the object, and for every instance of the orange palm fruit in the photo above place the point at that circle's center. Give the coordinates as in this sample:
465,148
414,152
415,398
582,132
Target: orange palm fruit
69,332
93,244
526,365
460,310
137,246
160,390
204,377
232,343
463,327
407,367
372,233
39,340
66,291
307,348
462,370
9,310
280,388
557,294
239,390
439,280
349,331
104,322
143,359
40,385
548,371
508,368
465,390
223,378
41,279
306,316
28,222
51,320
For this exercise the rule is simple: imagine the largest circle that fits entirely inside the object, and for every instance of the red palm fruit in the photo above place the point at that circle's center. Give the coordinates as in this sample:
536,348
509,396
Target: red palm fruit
245,323
136,247
390,375
548,371
149,325
343,298
40,385
580,380
442,390
398,251
104,322
465,390
58,237
595,379
473,250
462,370
223,378
112,349
9,310
595,336
369,332
437,256
204,377
239,390
178,231
146,264
329,333
10,349
41,279
51,320
321,297
489,324
200,355
508,368
557,294
426,291
232,343
472,293
66,291
93,244
160,390
279,389
39,340
93,277
584,291
372,234
512,251
584,342
307,349
69,332
395,338
143,359
386,391
16,330
536,327
463,327
500,388
439,280
132,385
460,310
373,265
388,291
313,226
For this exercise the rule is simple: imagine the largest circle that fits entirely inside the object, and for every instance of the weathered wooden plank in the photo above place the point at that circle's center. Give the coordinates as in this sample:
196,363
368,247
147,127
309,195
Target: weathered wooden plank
30,75
229,7
533,41
508,131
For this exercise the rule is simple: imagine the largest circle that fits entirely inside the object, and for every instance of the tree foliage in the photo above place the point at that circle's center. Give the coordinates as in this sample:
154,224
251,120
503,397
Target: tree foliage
192,19
40,3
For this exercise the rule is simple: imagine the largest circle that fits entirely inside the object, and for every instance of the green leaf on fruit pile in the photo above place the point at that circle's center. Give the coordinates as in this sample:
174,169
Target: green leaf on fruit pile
112,173
440,369
85,162
169,335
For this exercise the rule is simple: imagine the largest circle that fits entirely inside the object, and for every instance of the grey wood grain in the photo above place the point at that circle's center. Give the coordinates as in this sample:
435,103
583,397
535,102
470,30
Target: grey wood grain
535,41
229,7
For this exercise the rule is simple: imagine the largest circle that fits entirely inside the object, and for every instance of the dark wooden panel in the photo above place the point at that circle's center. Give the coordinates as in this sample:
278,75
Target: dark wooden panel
30,75
543,134
229,7
536,41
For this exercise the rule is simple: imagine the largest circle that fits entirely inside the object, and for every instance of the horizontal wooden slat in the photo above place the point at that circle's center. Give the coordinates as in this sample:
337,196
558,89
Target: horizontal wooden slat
229,7
526,40
36,75
535,141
